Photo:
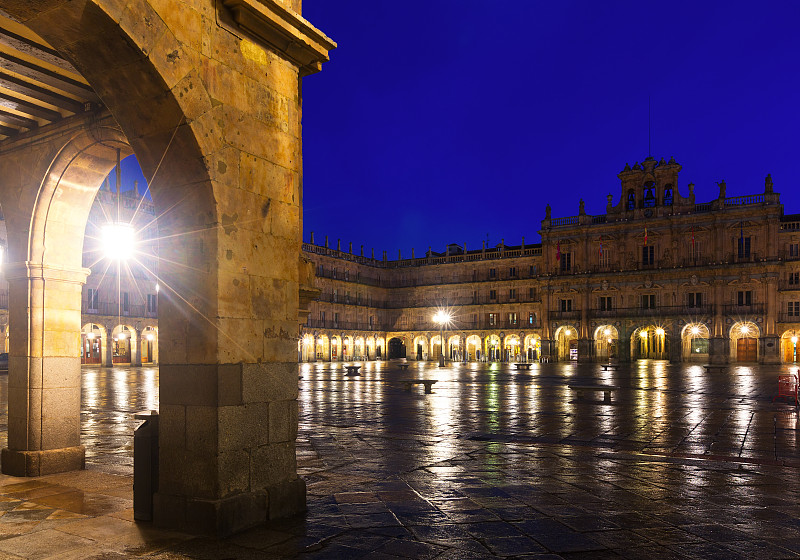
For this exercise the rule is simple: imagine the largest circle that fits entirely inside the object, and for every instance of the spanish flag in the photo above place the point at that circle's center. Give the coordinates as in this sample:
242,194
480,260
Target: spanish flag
645,235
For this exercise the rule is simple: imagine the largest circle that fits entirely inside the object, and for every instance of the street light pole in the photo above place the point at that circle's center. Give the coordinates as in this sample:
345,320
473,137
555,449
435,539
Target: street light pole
441,317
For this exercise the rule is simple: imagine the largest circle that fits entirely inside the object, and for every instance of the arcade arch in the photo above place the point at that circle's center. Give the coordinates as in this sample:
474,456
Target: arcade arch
790,352
397,348
566,338
93,348
533,345
694,342
473,348
744,341
650,342
189,116
512,348
492,348
454,348
421,348
606,340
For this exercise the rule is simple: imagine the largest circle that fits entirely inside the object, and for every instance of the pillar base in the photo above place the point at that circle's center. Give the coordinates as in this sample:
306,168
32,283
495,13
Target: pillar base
38,463
718,350
770,346
227,516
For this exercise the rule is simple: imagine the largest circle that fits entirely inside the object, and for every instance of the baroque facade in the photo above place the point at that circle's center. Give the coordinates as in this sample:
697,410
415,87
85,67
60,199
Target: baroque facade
658,276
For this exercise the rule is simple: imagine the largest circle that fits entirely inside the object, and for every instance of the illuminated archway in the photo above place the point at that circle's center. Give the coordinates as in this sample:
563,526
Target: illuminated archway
454,350
473,348
123,344
150,345
790,347
650,343
606,340
533,347
421,348
347,348
359,348
566,343
436,347
93,337
492,348
744,341
694,342
512,348
335,348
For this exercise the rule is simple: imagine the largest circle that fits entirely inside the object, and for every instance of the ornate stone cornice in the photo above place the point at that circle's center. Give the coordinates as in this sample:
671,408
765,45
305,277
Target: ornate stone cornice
283,31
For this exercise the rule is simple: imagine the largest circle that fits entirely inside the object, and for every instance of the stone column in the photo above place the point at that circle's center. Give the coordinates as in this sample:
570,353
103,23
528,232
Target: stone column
624,345
718,343
107,347
136,347
675,346
44,381
769,351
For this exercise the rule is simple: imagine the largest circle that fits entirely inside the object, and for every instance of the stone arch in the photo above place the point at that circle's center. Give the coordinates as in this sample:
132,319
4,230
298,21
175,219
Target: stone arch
694,342
650,342
335,348
532,346
149,342
421,348
123,344
744,337
359,348
454,348
512,347
323,347
566,337
93,347
223,160
347,347
473,347
492,348
790,347
606,342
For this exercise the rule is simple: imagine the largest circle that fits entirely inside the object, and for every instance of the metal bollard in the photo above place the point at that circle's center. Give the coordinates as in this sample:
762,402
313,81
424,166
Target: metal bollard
145,465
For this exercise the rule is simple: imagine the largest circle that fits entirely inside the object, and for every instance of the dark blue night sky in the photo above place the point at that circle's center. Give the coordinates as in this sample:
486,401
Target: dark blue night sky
446,120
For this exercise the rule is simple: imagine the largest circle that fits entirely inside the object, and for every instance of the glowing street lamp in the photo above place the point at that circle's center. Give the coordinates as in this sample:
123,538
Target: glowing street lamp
119,240
442,318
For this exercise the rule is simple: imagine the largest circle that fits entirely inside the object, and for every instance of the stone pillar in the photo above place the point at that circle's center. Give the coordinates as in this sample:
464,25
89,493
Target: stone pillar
44,381
624,345
585,350
718,343
548,347
107,348
769,344
675,346
136,347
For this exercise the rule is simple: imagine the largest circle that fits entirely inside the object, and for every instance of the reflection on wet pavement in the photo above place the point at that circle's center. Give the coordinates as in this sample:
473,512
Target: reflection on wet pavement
682,463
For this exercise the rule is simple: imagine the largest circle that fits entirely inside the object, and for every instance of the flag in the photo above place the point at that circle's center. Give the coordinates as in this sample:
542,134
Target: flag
692,238
601,246
558,250
645,235
741,235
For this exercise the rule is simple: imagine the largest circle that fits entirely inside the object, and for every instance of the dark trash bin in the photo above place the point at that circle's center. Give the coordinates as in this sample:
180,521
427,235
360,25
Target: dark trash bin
145,465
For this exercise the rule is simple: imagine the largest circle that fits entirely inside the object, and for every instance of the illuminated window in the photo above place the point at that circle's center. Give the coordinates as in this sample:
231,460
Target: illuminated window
492,319
513,319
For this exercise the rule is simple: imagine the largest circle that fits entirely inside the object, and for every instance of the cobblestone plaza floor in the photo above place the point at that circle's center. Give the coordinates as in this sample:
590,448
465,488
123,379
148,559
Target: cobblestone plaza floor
681,463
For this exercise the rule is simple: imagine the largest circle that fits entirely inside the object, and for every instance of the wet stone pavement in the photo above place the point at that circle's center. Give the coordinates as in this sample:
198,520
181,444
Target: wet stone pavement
495,462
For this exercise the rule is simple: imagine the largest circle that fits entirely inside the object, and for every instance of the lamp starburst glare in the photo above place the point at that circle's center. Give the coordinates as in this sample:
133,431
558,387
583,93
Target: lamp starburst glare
118,240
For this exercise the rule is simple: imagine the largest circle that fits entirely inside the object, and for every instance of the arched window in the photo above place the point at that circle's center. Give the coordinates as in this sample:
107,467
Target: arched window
668,195
631,200
649,198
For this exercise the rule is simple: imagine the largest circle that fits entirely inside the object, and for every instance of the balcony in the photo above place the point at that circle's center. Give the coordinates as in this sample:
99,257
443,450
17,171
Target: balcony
753,309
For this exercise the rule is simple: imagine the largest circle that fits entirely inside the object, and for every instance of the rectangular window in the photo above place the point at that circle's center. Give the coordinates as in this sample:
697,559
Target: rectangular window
744,247
512,272
566,262
126,304
92,299
492,273
532,294
794,308
744,298
648,255
371,322
605,303
648,301
335,320
604,258
322,318
694,299
335,296
512,293
531,270
492,294
531,318
512,318
696,252
492,318
794,250
152,302
566,305
794,278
